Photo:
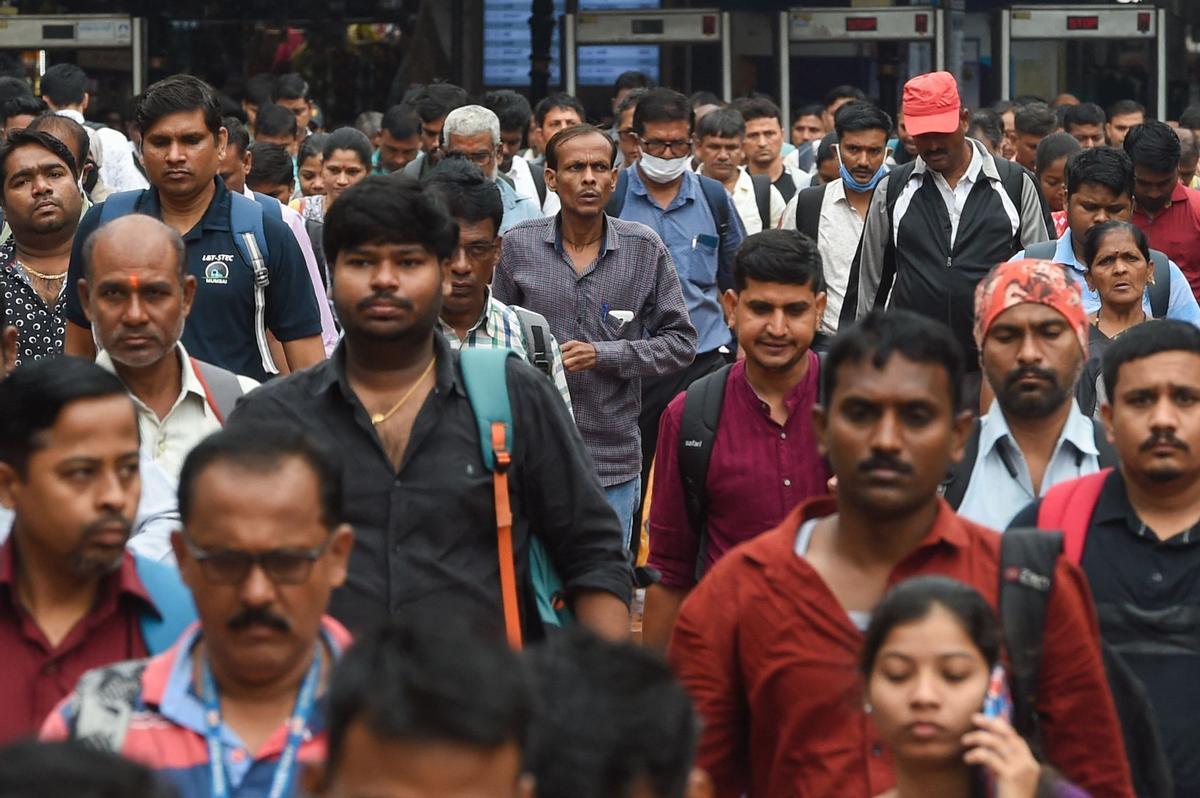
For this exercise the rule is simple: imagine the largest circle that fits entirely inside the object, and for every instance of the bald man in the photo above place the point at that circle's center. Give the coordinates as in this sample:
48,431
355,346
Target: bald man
137,300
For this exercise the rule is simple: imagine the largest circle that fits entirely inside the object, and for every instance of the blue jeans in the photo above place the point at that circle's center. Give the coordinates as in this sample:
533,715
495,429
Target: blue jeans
623,498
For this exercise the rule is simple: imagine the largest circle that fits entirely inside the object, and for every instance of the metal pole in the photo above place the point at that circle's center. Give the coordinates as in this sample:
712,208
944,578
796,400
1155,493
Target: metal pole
1005,65
138,55
570,53
785,74
726,58
1160,58
939,40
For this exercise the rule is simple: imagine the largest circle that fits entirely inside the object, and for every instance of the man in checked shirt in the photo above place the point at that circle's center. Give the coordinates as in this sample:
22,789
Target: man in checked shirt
609,290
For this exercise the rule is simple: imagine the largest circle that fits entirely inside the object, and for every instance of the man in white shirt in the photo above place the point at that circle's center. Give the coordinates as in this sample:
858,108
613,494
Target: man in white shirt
514,113
137,299
64,89
764,146
719,136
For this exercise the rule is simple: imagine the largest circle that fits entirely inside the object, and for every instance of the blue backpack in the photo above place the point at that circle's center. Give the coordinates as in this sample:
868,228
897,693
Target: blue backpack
487,389
174,608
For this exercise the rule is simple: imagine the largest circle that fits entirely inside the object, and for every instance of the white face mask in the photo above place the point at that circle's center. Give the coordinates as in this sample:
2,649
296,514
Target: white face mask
663,170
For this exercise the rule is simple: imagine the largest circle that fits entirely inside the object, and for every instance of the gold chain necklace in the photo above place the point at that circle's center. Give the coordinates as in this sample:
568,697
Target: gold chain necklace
379,418
50,277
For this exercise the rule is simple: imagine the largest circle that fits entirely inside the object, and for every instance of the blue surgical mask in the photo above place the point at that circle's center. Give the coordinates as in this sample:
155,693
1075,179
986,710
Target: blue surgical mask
854,185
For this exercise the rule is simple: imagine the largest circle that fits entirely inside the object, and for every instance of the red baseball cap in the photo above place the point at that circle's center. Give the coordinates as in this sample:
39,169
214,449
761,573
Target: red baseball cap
931,104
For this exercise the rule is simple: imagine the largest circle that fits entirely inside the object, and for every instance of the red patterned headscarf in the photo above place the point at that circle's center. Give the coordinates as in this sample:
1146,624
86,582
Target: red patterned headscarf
1039,281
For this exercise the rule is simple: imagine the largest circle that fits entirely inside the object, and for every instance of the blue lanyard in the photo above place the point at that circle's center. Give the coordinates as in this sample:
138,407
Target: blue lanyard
297,724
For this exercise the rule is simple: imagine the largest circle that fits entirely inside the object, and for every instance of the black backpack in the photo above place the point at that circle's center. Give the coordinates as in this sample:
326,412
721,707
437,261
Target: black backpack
1027,561
539,183
1160,289
762,198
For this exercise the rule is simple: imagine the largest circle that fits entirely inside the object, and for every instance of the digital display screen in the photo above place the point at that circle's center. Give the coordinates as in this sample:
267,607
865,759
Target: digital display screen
1083,23
859,24
646,27
58,31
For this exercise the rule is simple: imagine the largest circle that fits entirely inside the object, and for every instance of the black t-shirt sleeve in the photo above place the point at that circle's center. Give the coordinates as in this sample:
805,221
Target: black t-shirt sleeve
291,304
1027,517
75,270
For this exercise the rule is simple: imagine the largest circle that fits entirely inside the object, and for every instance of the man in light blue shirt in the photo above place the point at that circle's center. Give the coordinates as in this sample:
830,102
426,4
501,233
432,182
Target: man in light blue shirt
1100,188
1032,335
473,132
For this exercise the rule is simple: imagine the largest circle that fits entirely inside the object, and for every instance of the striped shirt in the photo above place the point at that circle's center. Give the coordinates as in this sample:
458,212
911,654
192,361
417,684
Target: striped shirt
166,730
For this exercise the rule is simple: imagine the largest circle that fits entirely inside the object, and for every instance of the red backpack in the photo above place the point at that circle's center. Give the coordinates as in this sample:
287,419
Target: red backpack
1068,507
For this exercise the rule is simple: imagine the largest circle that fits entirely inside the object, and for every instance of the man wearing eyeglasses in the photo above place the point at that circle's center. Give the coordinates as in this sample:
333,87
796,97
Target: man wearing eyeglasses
232,707
473,132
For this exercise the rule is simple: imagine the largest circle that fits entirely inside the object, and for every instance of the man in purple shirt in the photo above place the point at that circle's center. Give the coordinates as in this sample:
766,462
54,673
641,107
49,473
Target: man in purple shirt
763,458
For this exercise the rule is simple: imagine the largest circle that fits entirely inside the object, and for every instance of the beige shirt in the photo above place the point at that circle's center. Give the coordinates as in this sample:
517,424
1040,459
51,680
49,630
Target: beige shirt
168,440
747,205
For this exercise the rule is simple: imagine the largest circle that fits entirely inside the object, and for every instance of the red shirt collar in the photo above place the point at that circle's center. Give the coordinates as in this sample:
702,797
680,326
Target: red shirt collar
126,578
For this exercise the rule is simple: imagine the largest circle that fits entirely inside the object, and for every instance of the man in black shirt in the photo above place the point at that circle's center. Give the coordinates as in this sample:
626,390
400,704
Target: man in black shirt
1136,530
392,400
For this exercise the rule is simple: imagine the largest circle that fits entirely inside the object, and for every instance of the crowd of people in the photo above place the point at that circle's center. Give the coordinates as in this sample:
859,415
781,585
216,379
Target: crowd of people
477,449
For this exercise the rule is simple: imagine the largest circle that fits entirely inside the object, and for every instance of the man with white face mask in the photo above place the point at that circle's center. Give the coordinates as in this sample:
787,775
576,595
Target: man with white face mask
697,221
137,300
832,214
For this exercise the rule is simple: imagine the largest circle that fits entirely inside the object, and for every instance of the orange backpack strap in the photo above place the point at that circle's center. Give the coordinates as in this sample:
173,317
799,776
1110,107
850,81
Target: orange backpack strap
508,567
1069,507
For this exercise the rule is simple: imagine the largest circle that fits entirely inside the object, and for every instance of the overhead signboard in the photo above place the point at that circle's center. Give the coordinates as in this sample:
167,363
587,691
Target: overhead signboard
650,27
49,32
912,23
1083,22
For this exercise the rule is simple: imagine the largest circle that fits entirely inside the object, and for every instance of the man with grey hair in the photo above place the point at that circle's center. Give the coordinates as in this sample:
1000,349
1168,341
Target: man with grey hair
473,132
137,300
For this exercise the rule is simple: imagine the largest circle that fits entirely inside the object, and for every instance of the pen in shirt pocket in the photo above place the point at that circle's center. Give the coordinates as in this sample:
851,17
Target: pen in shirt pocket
604,311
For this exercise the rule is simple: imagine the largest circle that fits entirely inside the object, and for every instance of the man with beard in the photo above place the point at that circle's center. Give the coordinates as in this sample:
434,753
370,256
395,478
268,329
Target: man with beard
392,400
1134,530
1032,334
764,444
71,597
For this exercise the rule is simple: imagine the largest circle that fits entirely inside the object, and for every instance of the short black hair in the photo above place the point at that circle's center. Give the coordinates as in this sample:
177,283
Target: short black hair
1083,114
67,131
1094,239
64,84
231,108
630,100
434,100
369,123
12,87
511,108
599,704
263,447
663,105
257,89
1154,145
825,151
753,108
465,192
291,86
239,137
881,334
860,115
352,139
779,256
178,94
1145,340
841,92
1189,147
275,120
987,123
1052,147
426,680
704,97
30,769
724,123
23,105
37,392
1102,166
401,122
1035,119
573,132
1001,107
632,79
270,164
24,136
811,109
1124,107
1190,118
390,209
310,145
558,99
1022,100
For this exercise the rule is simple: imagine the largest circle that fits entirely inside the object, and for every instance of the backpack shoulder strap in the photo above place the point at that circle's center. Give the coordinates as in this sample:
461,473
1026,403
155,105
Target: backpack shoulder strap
1107,454
1042,250
1160,289
897,179
762,198
174,608
955,486
536,332
103,703
617,201
120,204
539,183
1069,506
697,431
246,223
246,217
221,388
718,203
808,210
1027,561
270,205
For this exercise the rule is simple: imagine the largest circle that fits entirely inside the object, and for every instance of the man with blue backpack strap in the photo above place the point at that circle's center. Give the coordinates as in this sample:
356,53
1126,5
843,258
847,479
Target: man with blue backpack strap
72,598
251,275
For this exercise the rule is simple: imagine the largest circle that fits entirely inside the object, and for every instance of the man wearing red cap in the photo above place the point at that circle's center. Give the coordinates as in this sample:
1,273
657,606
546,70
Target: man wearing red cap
939,223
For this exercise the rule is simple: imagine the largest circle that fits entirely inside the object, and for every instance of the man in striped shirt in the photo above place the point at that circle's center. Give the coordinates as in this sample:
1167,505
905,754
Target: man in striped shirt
471,315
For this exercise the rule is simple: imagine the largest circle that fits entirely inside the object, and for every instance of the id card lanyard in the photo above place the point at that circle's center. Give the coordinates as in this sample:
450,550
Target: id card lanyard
297,724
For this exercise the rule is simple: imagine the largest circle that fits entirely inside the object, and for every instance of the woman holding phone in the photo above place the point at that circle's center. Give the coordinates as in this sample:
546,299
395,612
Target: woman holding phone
927,660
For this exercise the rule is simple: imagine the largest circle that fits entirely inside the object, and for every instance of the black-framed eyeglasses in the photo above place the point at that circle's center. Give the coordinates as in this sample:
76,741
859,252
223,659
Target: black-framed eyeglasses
479,251
657,147
232,567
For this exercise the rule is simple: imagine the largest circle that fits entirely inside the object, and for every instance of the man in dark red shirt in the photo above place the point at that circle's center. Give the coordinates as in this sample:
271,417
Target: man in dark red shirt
764,446
768,642
1166,211
71,598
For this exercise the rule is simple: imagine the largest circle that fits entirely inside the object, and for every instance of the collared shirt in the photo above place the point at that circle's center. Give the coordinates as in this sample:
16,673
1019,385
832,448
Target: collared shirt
190,420
956,198
40,327
752,455
1000,483
627,304
746,203
770,657
1181,303
34,673
838,232
295,223
425,534
522,178
118,169
1148,602
221,326
499,327
517,207
1175,230
167,727
680,227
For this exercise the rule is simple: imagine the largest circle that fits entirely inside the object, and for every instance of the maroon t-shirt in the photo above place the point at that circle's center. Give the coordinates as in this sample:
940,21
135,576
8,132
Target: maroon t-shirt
1176,232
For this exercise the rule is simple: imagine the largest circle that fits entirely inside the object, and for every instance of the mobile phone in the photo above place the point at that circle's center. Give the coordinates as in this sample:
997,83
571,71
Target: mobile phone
997,701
